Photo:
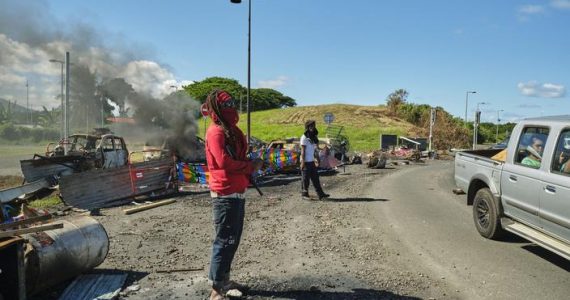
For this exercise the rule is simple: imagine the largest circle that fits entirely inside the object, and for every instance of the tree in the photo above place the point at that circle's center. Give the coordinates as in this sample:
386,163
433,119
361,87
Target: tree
199,90
397,98
261,99
47,118
265,98
6,113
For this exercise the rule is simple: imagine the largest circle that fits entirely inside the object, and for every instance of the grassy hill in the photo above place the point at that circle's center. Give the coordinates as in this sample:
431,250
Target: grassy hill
362,124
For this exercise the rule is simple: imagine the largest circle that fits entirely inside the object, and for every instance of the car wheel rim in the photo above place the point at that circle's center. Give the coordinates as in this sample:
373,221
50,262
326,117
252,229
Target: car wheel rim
483,214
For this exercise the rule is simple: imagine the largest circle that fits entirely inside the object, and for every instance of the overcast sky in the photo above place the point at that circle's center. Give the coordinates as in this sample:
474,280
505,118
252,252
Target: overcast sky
515,54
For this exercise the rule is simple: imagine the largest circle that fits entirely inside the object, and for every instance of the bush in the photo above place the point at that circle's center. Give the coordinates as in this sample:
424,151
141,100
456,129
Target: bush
9,132
13,133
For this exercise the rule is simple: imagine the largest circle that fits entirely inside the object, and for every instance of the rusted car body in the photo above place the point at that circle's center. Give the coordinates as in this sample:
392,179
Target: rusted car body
99,150
116,186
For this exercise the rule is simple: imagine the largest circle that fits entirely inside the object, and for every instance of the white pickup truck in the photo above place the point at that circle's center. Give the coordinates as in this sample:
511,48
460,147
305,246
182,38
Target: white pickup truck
526,191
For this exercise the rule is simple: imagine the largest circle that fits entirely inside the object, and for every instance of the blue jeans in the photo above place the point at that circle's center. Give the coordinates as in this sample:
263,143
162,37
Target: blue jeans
228,224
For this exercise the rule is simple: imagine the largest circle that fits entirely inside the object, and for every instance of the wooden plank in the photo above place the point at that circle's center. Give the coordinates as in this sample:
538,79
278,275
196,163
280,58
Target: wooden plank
10,241
30,230
25,222
149,206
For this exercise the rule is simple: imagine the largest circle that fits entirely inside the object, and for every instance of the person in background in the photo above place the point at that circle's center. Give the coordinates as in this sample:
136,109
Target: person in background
535,151
309,144
230,171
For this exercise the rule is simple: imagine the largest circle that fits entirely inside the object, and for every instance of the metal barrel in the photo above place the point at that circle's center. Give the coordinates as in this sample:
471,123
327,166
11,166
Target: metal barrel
54,256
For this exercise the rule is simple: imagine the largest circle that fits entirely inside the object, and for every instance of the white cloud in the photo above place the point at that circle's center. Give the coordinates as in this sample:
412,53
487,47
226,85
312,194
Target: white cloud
560,4
544,90
530,9
524,12
273,83
7,78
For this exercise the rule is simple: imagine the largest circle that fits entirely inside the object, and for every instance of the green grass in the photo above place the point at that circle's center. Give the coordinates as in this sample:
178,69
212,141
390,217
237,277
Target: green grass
50,201
362,124
17,150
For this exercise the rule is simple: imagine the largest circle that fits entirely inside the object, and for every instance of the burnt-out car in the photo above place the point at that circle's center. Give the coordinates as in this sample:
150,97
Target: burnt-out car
185,149
100,149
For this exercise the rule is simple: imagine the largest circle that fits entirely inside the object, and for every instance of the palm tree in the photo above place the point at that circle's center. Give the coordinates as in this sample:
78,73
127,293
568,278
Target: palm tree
395,99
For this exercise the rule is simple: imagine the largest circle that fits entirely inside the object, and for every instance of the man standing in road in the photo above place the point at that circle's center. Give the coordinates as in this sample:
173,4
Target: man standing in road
309,144
230,170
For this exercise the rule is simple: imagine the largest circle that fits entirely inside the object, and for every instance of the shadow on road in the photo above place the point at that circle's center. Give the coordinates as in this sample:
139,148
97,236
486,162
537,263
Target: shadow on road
355,200
553,258
277,181
513,238
355,294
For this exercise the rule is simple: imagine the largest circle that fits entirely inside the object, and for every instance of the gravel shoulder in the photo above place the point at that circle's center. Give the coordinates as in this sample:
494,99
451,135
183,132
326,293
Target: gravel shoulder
291,248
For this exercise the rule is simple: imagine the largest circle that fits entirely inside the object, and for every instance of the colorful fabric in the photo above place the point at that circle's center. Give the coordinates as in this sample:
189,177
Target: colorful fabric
193,173
275,160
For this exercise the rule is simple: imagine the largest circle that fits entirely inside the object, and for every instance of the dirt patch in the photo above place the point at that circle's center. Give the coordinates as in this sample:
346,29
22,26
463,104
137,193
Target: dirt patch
10,181
291,248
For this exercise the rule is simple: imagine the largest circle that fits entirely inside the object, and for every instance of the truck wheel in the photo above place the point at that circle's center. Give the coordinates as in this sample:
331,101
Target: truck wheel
486,215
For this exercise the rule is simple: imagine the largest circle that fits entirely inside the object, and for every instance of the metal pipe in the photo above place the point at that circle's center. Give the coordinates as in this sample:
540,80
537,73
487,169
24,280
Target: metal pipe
61,254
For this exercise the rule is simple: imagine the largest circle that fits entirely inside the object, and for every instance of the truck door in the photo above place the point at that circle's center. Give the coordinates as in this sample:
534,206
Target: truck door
109,155
555,190
520,179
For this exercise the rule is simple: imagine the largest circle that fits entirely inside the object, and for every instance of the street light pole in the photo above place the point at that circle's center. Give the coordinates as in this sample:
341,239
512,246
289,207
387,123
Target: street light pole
61,133
27,103
66,107
467,101
248,70
476,123
498,121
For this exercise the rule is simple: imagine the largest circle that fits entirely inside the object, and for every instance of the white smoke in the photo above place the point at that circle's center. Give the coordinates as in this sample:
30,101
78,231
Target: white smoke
30,36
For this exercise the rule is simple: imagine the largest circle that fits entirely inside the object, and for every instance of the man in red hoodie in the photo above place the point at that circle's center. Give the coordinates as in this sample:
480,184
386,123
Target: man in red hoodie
230,171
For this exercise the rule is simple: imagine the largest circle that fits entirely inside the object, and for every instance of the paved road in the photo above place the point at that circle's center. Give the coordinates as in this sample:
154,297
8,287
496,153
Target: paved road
435,230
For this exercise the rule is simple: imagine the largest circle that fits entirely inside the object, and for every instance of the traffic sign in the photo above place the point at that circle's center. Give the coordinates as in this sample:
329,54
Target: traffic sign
329,118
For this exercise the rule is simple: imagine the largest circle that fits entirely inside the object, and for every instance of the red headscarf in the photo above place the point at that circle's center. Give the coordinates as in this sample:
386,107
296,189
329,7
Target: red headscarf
226,106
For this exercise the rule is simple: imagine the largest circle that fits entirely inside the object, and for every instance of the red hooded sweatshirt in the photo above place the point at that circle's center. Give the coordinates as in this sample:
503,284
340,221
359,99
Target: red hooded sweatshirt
227,175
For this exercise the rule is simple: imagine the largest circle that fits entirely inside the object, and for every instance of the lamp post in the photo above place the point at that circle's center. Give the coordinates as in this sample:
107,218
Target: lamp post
498,121
61,95
476,123
248,70
467,101
27,102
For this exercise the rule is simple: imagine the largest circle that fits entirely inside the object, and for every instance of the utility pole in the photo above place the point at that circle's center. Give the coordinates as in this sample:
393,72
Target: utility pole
466,103
476,124
66,108
62,63
498,121
431,123
27,103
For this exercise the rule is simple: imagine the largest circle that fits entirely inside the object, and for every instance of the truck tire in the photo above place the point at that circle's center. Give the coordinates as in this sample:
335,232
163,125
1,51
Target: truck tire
486,215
